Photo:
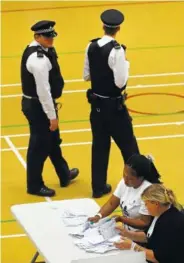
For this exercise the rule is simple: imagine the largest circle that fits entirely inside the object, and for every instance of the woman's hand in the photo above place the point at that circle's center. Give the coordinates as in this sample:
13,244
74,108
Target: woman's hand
124,244
123,232
118,218
94,219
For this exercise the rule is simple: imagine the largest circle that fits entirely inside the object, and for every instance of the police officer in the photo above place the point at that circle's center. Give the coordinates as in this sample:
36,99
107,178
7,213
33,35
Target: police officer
42,83
107,69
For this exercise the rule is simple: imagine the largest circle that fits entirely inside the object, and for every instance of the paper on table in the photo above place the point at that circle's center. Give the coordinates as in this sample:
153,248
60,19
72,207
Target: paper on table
80,230
108,230
73,213
103,248
76,221
97,238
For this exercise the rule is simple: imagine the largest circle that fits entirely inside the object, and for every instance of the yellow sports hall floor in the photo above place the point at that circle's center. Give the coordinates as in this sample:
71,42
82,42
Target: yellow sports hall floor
153,33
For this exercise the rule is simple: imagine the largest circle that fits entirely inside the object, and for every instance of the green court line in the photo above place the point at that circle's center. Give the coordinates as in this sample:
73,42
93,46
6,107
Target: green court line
26,125
82,52
8,221
78,121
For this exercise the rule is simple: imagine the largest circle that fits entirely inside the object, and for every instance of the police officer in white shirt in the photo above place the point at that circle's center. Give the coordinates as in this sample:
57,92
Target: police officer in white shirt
42,84
107,69
139,173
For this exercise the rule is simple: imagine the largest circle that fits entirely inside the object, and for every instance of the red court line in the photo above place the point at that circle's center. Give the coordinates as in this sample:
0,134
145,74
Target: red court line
155,93
88,6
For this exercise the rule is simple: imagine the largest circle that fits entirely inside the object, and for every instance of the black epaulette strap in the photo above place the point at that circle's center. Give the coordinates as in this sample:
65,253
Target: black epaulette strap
116,44
124,47
40,53
95,39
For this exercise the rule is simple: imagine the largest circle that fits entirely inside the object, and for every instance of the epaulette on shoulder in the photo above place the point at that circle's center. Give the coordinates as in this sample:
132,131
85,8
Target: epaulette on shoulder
94,40
124,47
116,44
40,52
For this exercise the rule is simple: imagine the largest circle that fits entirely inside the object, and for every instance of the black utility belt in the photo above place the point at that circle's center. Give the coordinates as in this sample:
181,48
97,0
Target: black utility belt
57,105
91,96
96,96
29,97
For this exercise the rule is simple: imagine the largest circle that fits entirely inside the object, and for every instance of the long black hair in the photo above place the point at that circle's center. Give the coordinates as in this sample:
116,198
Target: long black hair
144,167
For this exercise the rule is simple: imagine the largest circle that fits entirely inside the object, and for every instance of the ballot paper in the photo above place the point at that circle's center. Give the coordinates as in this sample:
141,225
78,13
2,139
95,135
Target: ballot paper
84,230
81,230
100,247
105,227
92,237
108,229
73,213
74,217
103,248
74,221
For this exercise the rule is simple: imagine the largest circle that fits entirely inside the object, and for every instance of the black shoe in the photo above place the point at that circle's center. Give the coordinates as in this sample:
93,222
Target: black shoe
73,174
44,191
107,189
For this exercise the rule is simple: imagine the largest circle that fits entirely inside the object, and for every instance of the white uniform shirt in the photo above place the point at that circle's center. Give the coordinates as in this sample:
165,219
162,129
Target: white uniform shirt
116,61
40,68
130,200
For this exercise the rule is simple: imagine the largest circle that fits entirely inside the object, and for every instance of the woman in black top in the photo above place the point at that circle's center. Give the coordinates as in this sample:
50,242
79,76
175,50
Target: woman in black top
165,237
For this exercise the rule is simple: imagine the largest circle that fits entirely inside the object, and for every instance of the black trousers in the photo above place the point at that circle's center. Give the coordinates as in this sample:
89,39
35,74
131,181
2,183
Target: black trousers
43,143
107,122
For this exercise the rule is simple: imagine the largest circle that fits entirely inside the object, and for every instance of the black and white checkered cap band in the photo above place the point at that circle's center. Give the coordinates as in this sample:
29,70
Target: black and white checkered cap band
48,30
111,26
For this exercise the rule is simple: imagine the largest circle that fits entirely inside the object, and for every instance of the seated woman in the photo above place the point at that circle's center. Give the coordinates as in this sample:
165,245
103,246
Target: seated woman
139,173
165,237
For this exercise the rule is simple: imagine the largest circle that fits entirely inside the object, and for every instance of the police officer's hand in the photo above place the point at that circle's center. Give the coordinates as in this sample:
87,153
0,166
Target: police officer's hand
53,125
94,219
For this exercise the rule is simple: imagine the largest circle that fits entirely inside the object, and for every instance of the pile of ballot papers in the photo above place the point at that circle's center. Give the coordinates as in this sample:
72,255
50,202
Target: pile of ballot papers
92,237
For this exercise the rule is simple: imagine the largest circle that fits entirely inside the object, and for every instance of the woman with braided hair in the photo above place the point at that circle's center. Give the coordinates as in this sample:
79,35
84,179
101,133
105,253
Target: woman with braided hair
139,173
165,238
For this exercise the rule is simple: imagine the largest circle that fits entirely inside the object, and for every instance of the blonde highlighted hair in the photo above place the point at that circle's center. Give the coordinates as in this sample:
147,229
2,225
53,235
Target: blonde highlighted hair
159,193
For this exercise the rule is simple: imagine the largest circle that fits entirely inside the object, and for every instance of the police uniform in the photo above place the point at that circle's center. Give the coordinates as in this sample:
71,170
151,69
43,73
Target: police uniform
42,84
107,69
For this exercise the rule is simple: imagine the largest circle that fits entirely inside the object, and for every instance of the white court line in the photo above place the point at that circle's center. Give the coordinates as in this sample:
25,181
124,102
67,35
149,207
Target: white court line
12,236
20,158
128,87
133,77
16,152
170,136
178,123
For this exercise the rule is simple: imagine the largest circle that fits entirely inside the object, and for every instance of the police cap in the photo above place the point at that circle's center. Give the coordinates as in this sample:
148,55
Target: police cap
112,18
45,28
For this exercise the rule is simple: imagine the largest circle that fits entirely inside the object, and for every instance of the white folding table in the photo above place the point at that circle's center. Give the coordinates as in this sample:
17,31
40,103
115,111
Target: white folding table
43,225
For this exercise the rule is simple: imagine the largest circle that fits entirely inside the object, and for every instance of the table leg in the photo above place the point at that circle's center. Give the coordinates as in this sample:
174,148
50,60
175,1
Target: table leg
35,257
